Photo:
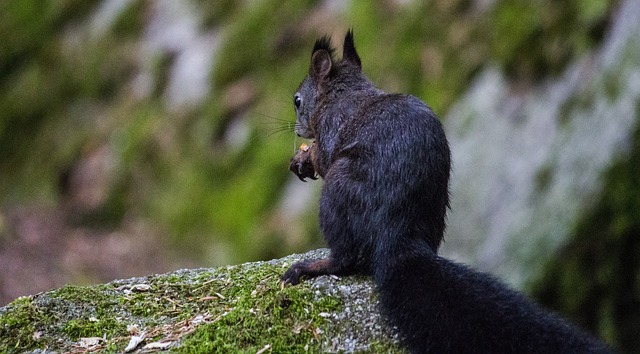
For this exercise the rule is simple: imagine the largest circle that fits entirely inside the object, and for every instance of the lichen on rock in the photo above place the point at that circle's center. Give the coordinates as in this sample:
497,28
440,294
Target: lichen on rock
243,308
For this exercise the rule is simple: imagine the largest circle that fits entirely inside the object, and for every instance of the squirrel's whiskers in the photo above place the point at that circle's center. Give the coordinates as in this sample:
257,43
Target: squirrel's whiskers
277,125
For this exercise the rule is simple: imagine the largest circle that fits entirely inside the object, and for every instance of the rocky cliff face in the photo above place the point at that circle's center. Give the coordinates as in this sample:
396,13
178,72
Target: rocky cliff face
528,164
546,183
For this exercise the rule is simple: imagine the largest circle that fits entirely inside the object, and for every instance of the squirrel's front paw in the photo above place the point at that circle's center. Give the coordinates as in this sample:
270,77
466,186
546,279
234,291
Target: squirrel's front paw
302,170
301,164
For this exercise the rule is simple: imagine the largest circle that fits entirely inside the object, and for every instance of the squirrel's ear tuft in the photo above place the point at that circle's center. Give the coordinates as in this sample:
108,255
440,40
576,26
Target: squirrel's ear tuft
349,50
323,43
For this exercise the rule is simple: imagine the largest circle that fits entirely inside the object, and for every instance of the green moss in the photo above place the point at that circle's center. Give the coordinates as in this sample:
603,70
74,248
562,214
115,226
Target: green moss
385,347
246,309
17,322
91,310
238,308
257,311
92,327
290,321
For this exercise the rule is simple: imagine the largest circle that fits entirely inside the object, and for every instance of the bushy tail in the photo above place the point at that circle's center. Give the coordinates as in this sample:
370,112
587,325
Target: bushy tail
439,306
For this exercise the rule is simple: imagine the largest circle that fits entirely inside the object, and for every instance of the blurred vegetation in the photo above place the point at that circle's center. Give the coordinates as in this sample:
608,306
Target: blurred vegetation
595,277
68,93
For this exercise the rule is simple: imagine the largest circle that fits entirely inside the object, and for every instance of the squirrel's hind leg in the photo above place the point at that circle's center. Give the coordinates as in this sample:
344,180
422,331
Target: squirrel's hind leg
312,269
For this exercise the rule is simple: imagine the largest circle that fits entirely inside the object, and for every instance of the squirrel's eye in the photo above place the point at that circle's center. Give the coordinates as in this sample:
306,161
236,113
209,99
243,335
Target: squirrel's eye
297,100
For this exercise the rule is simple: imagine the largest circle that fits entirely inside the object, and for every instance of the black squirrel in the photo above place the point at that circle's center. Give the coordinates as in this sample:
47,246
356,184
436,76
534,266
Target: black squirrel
385,162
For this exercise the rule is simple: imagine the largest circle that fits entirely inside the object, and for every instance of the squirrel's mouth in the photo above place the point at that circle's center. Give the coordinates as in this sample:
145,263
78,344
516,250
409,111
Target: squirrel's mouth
303,133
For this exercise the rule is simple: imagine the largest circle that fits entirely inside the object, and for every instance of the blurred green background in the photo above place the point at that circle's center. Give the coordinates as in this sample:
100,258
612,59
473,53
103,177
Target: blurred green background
144,136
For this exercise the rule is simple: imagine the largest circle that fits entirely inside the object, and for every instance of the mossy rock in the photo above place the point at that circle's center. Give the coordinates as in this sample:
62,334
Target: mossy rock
243,308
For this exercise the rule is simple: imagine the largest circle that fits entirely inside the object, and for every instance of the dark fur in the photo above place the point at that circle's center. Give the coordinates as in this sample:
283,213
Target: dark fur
385,162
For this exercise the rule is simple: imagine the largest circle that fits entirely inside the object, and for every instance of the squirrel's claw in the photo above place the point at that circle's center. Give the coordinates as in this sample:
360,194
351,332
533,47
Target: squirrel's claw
304,171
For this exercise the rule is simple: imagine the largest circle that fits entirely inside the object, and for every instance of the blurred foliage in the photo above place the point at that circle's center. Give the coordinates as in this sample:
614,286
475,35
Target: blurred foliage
67,92
595,278
535,39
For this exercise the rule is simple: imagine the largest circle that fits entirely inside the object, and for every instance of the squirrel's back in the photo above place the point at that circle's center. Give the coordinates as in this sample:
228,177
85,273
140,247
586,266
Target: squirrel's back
398,151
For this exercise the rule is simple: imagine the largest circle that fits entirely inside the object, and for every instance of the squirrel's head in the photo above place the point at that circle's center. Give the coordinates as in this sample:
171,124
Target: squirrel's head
324,72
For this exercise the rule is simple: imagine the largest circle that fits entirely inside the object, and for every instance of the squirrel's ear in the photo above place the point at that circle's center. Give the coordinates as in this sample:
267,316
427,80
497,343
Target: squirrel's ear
349,50
320,65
